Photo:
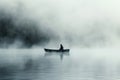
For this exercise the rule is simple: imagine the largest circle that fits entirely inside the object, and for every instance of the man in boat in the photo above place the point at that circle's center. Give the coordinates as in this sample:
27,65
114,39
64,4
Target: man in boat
61,47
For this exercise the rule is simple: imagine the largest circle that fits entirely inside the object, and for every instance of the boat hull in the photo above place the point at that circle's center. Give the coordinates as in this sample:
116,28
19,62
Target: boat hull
53,50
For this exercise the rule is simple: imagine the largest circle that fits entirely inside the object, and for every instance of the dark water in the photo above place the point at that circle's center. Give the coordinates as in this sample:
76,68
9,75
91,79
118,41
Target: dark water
35,64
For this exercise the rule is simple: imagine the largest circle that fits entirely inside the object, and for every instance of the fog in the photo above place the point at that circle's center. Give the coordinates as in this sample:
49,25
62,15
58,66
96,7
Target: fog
83,23
89,28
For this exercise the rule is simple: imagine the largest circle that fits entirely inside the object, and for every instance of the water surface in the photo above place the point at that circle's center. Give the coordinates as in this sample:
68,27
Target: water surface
80,64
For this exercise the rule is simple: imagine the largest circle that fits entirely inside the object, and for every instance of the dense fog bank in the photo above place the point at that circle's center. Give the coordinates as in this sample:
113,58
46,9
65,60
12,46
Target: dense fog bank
27,23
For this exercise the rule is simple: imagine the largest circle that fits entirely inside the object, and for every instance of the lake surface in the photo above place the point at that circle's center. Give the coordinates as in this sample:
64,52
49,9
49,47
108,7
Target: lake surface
80,64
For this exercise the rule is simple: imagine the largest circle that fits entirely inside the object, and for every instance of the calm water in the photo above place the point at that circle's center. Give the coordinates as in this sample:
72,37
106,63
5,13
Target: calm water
79,64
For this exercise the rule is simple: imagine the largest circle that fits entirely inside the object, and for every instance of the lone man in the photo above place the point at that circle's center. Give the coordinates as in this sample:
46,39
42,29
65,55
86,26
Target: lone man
61,47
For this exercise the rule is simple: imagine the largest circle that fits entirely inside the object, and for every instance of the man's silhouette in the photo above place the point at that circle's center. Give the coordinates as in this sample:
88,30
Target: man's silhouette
61,47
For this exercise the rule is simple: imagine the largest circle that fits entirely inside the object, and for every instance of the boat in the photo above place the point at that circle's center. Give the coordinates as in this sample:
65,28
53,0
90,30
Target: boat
55,50
61,49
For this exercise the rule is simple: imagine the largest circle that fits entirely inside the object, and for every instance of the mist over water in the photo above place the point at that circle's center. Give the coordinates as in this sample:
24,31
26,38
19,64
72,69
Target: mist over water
74,23
89,28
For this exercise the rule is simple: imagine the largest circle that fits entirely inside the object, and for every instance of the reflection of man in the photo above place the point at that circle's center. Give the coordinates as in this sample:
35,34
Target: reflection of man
61,47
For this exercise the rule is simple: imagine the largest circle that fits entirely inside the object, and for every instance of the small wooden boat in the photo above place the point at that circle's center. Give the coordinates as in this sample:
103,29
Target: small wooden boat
55,50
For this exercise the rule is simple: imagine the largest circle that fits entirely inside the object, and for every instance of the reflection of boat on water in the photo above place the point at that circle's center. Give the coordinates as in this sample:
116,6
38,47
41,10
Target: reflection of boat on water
57,50
61,54
56,53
